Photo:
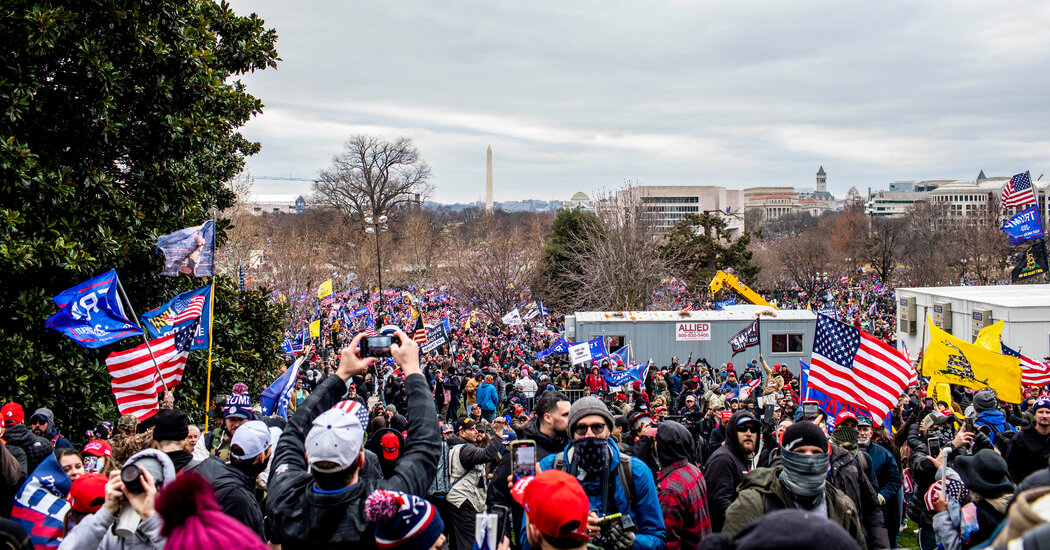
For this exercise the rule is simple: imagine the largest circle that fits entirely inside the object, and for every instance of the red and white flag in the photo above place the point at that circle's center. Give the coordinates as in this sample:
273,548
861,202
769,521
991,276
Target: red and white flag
190,312
135,382
858,367
1018,191
1033,373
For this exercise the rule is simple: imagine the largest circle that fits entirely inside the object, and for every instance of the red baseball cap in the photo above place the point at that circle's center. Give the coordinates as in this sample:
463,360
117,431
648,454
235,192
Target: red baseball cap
555,503
391,446
12,414
726,415
88,492
843,416
98,448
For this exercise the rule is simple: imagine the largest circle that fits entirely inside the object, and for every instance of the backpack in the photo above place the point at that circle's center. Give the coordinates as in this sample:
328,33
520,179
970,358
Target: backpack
623,471
443,482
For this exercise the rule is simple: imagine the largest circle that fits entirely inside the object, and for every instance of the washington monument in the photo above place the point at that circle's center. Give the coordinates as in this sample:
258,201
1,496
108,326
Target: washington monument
488,180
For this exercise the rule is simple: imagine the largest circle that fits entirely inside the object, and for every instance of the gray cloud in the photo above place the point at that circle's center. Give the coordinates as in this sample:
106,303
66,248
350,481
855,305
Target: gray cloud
582,95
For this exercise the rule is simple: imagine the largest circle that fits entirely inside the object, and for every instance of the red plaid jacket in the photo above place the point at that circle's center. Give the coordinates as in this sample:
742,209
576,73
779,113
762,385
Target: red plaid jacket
683,500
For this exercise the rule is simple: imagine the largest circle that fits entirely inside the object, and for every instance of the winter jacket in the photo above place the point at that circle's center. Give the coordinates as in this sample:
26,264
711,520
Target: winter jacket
233,491
94,533
12,476
725,471
468,461
683,491
644,510
1029,452
35,447
298,516
52,434
596,383
487,397
848,476
375,446
1021,515
996,422
761,492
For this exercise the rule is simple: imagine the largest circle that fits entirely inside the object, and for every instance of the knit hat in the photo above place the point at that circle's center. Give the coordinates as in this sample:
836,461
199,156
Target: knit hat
403,520
12,414
170,425
801,434
985,473
88,492
239,404
985,400
193,520
1042,403
784,530
586,406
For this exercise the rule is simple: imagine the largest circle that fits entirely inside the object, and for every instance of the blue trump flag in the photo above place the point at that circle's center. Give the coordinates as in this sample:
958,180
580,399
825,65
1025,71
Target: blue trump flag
274,399
598,349
40,505
623,354
831,405
179,311
633,373
1025,225
558,348
91,313
189,251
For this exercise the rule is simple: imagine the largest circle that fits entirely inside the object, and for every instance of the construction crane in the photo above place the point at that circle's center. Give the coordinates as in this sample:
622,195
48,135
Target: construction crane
283,179
729,280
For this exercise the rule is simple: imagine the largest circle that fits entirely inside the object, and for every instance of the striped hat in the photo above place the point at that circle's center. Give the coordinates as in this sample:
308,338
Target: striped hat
403,520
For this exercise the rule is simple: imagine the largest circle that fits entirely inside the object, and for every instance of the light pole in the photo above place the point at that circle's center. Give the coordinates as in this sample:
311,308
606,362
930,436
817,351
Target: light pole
376,226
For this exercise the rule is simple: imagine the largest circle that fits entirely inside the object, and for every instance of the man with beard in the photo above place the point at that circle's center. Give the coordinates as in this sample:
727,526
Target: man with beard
683,492
43,424
234,484
887,476
547,428
614,483
16,434
1030,450
727,466
799,482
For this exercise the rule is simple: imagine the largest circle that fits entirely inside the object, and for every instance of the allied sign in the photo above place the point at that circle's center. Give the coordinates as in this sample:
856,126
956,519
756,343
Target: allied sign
687,332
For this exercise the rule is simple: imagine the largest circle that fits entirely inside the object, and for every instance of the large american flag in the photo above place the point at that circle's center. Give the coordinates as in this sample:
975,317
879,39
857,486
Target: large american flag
1033,373
186,310
135,382
419,332
1018,192
857,367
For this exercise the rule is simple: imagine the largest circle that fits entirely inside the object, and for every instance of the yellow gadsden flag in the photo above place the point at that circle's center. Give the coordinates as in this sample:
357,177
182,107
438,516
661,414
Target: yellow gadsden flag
325,289
315,328
990,337
953,361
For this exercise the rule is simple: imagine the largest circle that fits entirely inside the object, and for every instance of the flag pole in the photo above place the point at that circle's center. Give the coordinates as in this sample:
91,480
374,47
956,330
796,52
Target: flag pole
124,296
211,325
922,342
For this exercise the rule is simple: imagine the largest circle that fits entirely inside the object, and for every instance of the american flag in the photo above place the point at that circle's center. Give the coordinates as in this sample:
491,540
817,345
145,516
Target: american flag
420,332
1018,191
135,384
858,367
186,310
1033,373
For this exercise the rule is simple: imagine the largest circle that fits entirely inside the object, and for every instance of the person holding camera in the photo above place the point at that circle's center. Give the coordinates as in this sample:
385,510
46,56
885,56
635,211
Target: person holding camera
316,497
128,519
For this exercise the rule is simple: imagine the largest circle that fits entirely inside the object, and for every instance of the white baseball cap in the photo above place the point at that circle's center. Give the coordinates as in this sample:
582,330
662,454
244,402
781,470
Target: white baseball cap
252,438
336,437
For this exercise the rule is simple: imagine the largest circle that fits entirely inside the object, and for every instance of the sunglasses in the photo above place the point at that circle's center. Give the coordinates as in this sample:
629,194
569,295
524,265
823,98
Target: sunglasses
750,427
597,429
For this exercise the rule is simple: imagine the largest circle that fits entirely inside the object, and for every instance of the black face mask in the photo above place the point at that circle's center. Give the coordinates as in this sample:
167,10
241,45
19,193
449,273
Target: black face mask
591,454
251,469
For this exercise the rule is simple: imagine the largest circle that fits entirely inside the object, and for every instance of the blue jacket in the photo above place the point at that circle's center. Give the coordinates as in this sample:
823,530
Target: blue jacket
995,420
644,511
887,474
486,396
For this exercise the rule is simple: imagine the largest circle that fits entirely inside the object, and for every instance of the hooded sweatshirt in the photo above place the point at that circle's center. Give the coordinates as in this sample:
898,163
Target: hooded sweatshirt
683,491
52,434
725,470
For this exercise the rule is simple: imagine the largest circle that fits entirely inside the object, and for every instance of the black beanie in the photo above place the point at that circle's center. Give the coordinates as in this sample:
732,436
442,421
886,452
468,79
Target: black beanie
170,425
801,434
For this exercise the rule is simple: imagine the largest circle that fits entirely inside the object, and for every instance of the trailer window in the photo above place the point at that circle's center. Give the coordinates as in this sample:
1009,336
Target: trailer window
788,343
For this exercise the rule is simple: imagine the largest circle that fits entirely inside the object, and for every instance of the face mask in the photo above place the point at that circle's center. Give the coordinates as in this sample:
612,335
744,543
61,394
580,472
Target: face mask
804,476
846,437
591,454
251,469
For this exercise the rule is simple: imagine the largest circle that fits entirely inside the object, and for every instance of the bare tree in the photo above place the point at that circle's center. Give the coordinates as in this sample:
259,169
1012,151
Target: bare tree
491,267
806,257
885,246
933,256
620,267
373,176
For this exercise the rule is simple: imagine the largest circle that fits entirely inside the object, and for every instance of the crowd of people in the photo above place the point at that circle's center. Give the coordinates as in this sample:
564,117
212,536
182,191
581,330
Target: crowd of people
407,452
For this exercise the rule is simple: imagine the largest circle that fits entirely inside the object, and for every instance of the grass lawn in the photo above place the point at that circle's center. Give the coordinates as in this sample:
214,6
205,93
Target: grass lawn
908,537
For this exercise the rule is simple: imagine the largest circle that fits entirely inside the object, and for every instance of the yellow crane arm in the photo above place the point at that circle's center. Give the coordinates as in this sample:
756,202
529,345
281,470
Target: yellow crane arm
740,289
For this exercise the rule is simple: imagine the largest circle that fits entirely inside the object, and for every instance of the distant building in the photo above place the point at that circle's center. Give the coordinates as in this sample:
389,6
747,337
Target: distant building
670,203
276,204
774,202
580,200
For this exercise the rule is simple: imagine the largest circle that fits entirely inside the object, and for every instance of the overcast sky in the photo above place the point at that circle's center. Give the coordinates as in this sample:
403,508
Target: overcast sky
580,96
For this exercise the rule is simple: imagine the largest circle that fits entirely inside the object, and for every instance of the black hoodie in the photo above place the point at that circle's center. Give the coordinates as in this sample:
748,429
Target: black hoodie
725,471
673,443
36,448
